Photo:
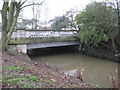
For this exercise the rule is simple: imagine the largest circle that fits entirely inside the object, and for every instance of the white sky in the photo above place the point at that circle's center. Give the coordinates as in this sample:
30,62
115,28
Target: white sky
59,7
55,7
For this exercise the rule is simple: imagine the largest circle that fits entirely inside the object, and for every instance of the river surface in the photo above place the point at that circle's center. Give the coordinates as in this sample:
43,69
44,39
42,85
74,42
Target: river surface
96,70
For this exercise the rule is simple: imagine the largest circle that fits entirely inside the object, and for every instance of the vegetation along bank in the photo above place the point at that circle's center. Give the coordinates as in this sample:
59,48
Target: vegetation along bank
99,30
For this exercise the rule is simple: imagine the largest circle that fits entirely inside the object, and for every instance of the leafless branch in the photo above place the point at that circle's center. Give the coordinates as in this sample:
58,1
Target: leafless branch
32,4
23,2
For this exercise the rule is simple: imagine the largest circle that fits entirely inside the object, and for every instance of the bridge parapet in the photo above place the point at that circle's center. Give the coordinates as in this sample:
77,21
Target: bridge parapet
22,33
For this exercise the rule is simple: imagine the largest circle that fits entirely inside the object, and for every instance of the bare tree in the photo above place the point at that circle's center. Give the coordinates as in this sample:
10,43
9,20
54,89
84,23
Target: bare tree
36,14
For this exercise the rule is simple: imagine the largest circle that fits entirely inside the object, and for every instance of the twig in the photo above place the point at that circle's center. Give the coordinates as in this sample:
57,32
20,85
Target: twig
32,4
23,2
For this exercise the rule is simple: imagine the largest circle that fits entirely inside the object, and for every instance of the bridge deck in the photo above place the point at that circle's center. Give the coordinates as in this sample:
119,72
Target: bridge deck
54,44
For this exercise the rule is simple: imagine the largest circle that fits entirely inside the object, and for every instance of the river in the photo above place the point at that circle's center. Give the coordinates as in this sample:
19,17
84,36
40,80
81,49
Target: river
67,59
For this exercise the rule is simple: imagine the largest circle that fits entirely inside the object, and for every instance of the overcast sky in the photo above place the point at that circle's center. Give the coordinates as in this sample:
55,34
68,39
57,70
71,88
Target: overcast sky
55,8
59,7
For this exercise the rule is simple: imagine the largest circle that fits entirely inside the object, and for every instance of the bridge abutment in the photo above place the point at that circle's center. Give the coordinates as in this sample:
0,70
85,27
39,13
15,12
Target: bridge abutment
20,48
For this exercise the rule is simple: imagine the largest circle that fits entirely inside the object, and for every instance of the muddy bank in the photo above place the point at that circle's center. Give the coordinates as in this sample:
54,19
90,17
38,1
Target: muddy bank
18,71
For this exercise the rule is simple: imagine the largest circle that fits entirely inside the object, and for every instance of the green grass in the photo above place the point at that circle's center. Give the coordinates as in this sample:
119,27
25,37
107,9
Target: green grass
15,78
15,68
94,85
24,82
6,77
72,85
32,79
14,81
12,68
48,81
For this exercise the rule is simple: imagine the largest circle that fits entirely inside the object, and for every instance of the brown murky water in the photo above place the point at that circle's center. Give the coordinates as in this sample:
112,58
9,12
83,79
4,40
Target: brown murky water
96,70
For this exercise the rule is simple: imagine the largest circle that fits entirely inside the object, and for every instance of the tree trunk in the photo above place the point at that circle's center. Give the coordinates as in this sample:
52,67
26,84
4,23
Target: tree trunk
10,16
8,22
4,38
4,22
13,26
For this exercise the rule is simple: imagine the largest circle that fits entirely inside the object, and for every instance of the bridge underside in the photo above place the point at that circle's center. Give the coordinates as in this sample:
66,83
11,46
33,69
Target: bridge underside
54,44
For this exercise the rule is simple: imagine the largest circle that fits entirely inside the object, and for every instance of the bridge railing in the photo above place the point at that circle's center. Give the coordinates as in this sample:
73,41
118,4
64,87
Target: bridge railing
20,33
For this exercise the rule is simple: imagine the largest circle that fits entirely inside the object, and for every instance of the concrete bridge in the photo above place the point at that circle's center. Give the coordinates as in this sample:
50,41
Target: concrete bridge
23,39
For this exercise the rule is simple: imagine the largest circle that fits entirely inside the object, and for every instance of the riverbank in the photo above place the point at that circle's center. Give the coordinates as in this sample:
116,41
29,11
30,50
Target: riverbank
18,71
101,52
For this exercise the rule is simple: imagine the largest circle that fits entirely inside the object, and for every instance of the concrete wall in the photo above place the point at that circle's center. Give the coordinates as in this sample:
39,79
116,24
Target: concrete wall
19,48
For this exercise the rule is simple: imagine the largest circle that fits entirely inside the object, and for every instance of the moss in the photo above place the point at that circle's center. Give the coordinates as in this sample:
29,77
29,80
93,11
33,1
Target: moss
41,40
94,85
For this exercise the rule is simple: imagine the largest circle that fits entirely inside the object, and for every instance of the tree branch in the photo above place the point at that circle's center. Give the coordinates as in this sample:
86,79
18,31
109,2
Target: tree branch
32,4
4,13
23,3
